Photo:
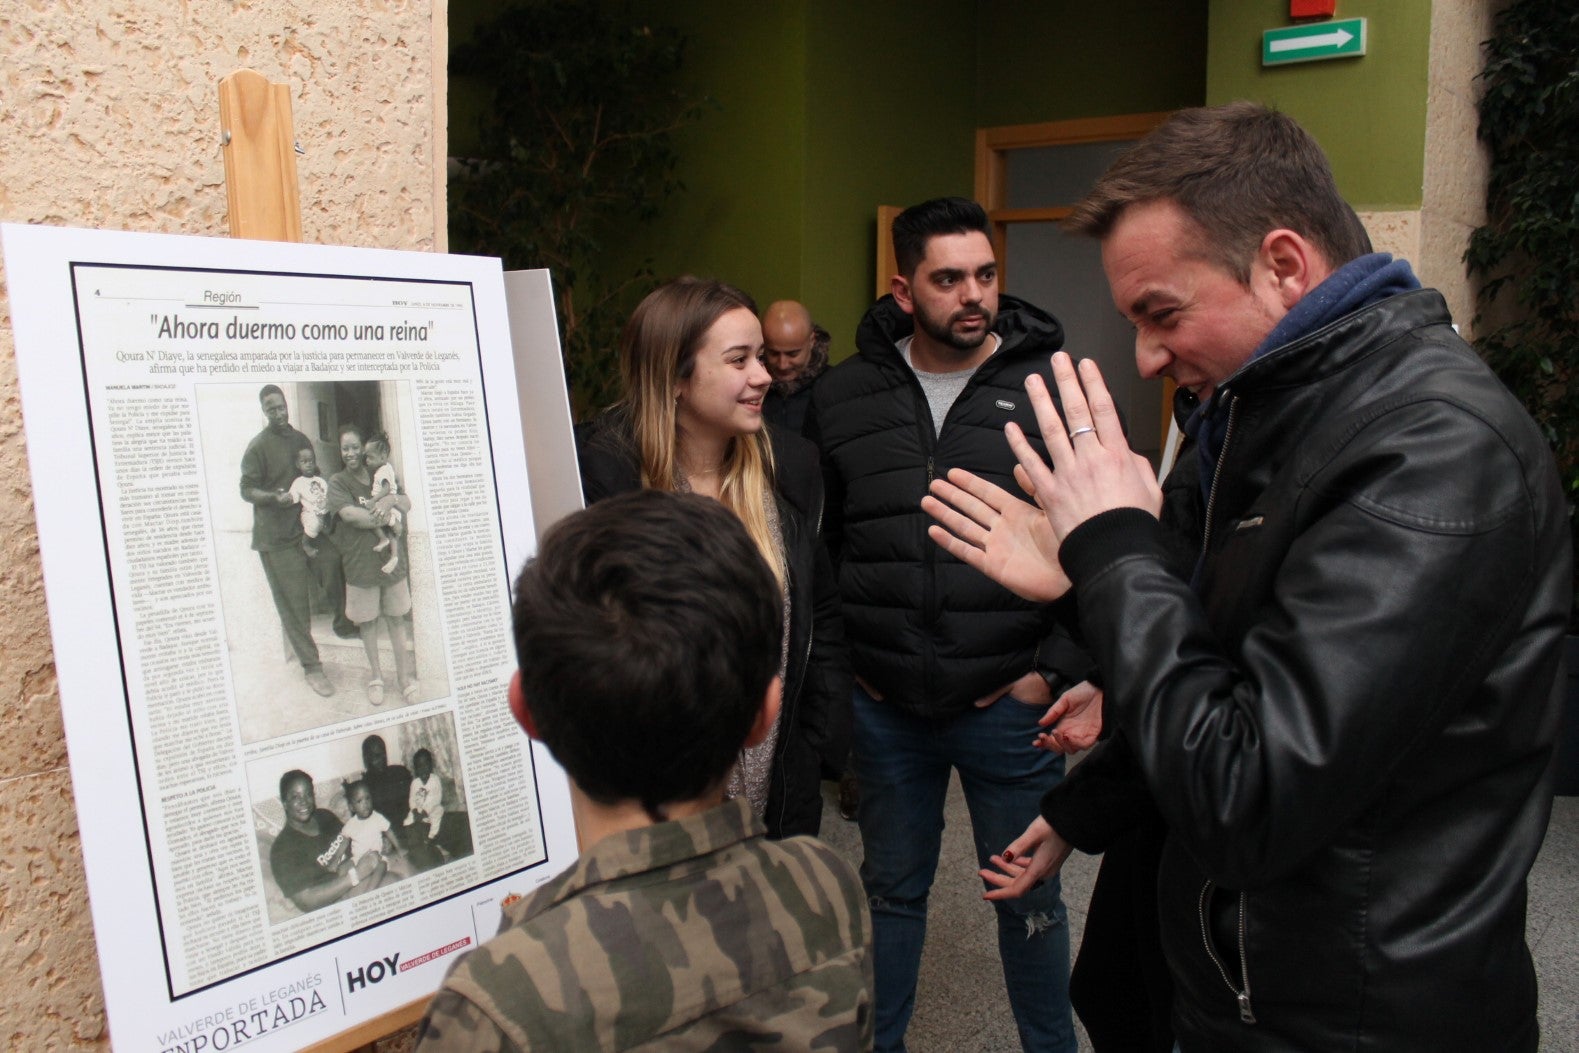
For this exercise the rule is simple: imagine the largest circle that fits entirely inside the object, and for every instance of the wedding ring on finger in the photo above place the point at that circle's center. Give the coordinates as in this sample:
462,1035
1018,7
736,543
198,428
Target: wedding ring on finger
1080,431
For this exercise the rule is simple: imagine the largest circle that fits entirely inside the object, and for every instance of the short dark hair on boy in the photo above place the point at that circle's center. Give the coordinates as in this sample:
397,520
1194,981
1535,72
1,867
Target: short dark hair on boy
267,390
647,628
1239,172
918,224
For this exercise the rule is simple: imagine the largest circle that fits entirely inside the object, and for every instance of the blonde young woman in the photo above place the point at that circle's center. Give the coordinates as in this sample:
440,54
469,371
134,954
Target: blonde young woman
691,420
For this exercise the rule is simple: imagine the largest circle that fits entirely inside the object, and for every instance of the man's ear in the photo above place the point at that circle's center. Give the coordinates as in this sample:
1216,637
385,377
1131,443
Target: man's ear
1293,264
518,707
899,285
772,699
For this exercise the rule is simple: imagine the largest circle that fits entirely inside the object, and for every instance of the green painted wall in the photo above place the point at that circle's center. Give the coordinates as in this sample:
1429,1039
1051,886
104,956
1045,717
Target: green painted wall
1368,113
826,109
743,163
889,103
893,104
1062,59
740,216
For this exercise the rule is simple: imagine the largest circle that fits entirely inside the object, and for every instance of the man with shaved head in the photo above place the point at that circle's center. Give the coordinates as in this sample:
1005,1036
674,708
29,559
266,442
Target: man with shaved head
797,354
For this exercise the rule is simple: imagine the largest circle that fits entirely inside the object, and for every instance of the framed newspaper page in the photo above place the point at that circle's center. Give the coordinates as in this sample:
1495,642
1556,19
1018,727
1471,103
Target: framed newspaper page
281,490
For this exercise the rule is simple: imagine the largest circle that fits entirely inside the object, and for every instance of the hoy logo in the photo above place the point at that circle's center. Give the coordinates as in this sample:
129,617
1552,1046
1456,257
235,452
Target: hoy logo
371,973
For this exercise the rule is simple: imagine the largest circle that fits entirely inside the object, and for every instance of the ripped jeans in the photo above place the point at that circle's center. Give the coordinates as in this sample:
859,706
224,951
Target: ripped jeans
902,764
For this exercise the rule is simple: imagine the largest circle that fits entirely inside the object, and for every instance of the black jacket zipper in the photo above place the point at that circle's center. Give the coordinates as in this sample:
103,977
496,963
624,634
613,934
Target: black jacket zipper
1217,474
1242,997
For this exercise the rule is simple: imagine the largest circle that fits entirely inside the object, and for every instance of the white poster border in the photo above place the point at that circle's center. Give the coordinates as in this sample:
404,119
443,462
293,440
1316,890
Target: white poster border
144,1012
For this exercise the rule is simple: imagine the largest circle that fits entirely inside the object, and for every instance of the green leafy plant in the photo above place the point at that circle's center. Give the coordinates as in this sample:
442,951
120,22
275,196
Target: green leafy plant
577,150
1528,251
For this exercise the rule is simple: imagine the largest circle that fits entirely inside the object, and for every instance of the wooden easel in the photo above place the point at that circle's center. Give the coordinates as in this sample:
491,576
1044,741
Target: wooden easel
259,143
260,158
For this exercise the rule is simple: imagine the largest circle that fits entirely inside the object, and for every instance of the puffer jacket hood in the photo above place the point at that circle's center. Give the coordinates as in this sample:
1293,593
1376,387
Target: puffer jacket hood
1019,324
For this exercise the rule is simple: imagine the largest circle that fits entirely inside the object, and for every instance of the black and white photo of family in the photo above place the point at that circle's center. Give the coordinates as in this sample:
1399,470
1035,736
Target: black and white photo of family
343,818
323,549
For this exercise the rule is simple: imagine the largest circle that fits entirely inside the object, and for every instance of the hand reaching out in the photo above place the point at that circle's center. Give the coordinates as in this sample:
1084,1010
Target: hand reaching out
1015,543
1005,538
1030,859
1074,721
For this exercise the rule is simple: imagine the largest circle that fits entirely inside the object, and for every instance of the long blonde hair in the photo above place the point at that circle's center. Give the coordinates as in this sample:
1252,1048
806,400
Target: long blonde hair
658,350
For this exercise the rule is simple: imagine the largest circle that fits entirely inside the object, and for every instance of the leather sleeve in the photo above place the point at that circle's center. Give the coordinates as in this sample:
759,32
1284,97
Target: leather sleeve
1102,798
1061,657
1345,627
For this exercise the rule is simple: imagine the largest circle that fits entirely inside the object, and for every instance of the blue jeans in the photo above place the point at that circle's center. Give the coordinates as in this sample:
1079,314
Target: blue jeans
902,764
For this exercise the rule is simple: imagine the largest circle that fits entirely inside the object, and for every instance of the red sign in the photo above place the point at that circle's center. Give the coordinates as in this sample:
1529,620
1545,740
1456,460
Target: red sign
1312,8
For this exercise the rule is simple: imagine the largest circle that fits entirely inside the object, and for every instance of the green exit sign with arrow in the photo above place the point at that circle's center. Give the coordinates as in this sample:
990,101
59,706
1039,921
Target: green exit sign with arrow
1310,43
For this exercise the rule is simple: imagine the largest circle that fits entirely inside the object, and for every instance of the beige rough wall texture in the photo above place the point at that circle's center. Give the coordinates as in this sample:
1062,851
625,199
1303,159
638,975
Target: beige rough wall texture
1453,198
1453,202
109,117
1394,232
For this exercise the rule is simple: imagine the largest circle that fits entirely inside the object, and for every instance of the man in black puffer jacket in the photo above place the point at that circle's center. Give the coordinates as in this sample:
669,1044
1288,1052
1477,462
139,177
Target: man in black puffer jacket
946,661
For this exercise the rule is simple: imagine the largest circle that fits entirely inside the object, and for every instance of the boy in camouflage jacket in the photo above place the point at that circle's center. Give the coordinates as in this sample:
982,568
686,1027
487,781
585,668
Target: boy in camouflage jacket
648,630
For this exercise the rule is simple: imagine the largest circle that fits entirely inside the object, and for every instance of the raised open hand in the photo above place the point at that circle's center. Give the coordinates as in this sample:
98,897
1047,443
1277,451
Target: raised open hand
1005,538
1073,722
1093,468
1030,859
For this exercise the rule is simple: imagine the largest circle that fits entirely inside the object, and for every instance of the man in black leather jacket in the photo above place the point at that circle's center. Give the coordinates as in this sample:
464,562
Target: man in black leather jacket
1346,714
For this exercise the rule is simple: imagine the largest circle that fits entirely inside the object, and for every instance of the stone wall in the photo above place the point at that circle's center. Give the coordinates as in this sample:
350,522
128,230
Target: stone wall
109,117
1453,195
1453,199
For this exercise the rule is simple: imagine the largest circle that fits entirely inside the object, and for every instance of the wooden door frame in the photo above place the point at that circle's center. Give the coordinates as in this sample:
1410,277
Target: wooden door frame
887,266
993,143
992,181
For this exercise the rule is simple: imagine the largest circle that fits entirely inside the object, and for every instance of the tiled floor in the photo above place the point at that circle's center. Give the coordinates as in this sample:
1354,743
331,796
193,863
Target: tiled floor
961,1006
